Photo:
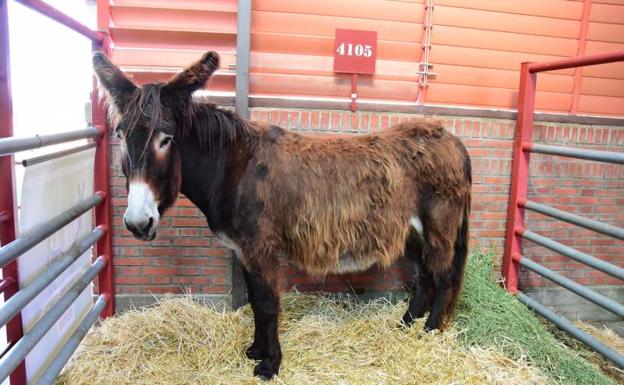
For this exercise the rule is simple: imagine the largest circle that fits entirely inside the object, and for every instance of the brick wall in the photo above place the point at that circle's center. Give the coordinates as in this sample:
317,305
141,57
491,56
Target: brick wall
186,257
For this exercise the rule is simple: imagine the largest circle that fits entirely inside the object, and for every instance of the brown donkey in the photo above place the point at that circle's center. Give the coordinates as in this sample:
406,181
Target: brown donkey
328,204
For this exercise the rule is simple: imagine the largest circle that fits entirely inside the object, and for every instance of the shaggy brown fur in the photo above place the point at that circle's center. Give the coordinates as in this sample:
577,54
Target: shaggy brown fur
329,204
355,196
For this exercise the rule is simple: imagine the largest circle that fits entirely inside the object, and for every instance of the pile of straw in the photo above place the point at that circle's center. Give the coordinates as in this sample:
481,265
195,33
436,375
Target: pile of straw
324,341
607,337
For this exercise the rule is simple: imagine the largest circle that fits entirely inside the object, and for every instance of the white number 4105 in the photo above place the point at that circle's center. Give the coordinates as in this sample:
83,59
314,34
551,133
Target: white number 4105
350,49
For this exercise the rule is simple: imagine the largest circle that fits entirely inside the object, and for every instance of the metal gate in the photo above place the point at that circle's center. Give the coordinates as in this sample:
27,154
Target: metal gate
19,344
519,202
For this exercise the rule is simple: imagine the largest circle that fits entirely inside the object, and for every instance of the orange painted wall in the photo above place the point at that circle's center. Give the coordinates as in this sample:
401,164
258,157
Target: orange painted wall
477,47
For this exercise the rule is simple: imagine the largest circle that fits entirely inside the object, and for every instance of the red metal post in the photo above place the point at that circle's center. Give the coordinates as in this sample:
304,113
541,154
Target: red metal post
102,183
7,194
6,284
354,81
519,175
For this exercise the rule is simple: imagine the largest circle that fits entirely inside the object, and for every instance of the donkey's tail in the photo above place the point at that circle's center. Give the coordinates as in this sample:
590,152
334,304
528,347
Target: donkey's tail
460,256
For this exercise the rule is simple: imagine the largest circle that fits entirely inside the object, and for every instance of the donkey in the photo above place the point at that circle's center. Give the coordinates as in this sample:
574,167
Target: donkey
328,204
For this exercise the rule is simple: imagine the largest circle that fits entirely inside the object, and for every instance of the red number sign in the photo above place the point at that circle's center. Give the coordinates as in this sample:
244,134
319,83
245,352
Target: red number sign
355,51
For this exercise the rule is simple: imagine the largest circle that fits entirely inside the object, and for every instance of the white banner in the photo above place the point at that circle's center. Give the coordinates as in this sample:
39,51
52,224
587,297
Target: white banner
48,189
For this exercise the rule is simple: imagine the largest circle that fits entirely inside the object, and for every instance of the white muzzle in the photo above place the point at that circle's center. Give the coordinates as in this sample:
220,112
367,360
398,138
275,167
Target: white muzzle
141,216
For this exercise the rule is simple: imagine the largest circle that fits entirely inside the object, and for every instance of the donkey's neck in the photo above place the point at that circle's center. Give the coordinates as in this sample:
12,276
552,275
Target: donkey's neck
213,160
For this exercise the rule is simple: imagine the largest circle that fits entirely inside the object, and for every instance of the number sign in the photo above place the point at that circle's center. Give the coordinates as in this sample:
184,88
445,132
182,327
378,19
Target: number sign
355,51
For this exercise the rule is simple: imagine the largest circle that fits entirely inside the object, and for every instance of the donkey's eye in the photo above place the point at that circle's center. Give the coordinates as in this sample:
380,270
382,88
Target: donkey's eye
165,142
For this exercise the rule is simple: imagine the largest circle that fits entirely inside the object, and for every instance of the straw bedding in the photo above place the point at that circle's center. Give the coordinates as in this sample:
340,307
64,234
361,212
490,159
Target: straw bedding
607,337
324,341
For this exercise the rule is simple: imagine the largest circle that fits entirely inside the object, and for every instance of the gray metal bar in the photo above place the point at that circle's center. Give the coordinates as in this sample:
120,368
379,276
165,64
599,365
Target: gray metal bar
13,144
22,347
241,105
17,302
568,327
579,153
579,256
574,287
56,366
243,37
55,155
578,220
40,232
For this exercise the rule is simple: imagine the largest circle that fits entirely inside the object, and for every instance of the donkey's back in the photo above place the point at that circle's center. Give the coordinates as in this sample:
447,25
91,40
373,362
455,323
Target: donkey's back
343,204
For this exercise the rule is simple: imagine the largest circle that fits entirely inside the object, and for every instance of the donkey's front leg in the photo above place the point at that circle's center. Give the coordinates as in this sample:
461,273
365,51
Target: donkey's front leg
265,306
254,351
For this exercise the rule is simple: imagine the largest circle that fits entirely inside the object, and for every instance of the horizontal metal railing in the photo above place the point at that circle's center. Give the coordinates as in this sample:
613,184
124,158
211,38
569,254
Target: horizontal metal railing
54,14
20,299
56,155
573,62
40,232
12,145
574,152
568,327
571,252
590,224
56,366
18,352
574,287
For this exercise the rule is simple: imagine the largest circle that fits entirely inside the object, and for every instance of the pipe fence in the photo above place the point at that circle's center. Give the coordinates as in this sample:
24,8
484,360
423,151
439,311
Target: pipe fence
519,202
20,343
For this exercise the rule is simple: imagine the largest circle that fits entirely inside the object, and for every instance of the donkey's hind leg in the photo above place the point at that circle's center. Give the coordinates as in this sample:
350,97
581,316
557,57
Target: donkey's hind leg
422,284
442,223
440,309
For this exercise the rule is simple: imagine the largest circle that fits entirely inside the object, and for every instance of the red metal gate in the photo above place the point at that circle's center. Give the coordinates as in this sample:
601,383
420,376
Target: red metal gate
516,231
15,299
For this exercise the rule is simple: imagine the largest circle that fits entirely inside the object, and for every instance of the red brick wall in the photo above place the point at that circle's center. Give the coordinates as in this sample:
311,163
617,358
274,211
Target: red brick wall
185,256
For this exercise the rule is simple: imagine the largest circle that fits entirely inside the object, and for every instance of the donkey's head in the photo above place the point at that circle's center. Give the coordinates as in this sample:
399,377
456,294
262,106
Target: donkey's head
148,119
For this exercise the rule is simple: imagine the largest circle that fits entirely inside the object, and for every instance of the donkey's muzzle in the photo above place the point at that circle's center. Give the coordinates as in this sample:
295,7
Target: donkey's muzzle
143,230
141,217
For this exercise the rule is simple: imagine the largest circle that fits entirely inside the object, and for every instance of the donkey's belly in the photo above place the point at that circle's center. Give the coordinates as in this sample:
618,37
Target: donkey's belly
348,264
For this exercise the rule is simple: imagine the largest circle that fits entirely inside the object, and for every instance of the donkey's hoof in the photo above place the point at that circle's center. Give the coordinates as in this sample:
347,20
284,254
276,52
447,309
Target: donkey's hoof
406,321
253,352
267,369
432,328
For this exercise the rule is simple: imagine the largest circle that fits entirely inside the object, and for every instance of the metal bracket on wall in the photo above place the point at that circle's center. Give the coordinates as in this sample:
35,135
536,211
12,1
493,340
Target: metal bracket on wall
424,71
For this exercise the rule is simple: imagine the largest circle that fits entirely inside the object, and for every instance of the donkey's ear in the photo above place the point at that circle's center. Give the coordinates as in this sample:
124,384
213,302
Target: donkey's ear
195,76
117,85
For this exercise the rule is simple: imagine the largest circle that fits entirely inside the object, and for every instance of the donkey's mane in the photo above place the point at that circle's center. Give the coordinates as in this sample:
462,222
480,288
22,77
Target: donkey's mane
215,129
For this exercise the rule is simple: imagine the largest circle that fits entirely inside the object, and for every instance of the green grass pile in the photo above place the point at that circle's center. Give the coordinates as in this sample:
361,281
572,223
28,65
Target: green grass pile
490,317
